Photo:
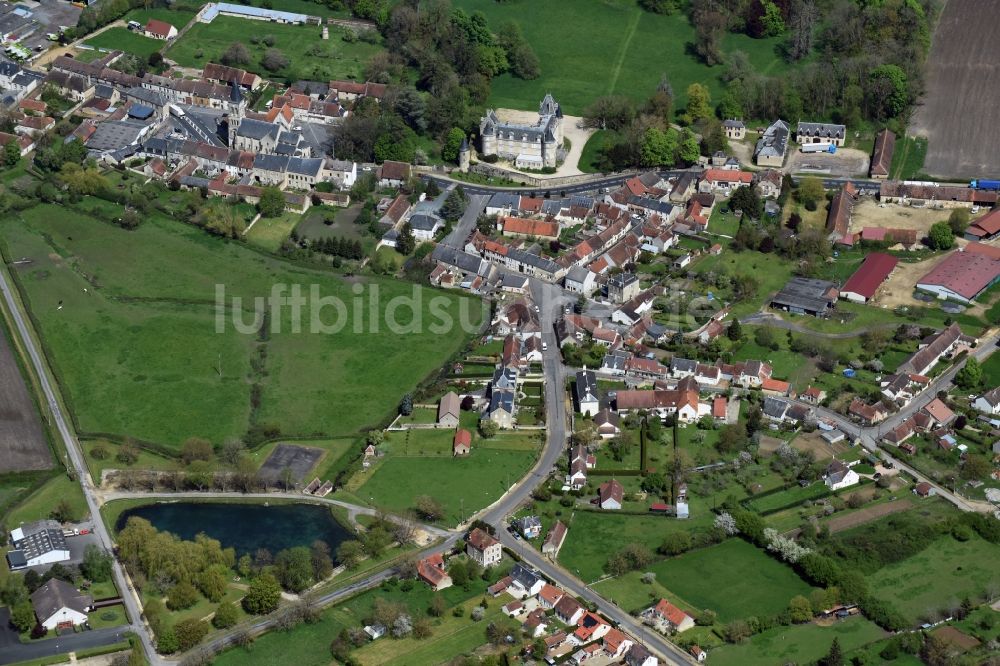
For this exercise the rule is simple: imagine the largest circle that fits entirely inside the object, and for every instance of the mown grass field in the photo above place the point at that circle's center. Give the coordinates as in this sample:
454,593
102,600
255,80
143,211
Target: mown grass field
734,579
608,46
799,644
38,505
943,573
309,56
124,39
141,304
463,485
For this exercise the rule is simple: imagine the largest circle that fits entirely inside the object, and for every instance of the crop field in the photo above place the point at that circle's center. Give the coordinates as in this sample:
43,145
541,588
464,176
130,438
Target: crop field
309,56
627,54
959,87
798,644
941,574
141,304
124,39
23,445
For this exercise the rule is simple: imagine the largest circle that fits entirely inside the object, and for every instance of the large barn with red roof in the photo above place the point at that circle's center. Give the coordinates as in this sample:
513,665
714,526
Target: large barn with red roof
962,275
875,270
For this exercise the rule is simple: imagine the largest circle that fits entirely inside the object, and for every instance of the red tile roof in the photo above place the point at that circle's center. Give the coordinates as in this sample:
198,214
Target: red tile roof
964,273
480,540
463,439
611,490
161,28
885,144
671,613
518,225
719,407
987,225
873,272
728,176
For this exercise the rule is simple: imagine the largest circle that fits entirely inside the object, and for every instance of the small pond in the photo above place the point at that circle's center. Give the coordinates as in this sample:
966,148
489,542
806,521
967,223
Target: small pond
245,526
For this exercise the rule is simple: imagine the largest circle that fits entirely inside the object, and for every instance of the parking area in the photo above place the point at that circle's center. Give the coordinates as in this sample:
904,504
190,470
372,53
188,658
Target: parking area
845,162
40,19
297,460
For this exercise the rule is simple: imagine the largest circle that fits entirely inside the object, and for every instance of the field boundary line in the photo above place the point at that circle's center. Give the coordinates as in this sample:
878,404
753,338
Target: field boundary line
629,34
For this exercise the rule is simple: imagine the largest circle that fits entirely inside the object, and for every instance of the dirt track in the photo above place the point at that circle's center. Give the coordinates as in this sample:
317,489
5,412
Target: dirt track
959,113
22,441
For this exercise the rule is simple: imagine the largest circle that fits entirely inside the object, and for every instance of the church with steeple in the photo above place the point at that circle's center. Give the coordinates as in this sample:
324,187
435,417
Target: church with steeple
527,146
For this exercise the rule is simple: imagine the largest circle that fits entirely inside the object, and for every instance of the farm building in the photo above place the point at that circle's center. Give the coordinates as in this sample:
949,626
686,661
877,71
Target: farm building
961,276
985,228
39,542
820,133
885,145
875,270
806,296
946,196
254,13
933,348
839,218
772,145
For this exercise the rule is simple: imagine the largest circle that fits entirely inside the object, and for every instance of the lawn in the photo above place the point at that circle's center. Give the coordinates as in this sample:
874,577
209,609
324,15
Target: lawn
770,271
791,497
310,57
908,158
798,644
270,233
726,224
594,536
627,56
40,503
945,572
783,361
591,155
124,39
462,485
991,370
142,304
734,579
112,616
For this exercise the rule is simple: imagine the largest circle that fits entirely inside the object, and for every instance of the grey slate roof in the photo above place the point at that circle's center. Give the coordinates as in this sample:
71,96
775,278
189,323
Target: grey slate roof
270,162
774,142
502,401
585,386
504,200
56,594
424,222
461,260
306,166
251,128
775,408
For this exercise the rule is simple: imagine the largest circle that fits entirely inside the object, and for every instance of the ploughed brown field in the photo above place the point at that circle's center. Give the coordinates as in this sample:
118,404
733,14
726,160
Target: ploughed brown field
22,442
959,112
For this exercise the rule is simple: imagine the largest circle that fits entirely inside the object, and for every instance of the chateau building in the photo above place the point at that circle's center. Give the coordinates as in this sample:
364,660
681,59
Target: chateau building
527,146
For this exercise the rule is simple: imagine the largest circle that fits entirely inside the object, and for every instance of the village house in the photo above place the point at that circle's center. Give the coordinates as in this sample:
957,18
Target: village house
610,495
639,655
988,402
616,643
159,30
525,582
568,610
59,605
590,627
607,423
867,414
554,541
682,401
667,618
838,475
768,183
393,174
735,129
483,548
530,527
723,181
431,571
934,348
623,287
813,395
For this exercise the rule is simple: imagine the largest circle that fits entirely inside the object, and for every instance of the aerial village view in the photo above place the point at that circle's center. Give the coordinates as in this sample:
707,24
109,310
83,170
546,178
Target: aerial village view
498,332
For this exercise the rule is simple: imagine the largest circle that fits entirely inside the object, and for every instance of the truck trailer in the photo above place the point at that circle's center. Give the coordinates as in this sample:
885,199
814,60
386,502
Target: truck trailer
983,184
819,148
